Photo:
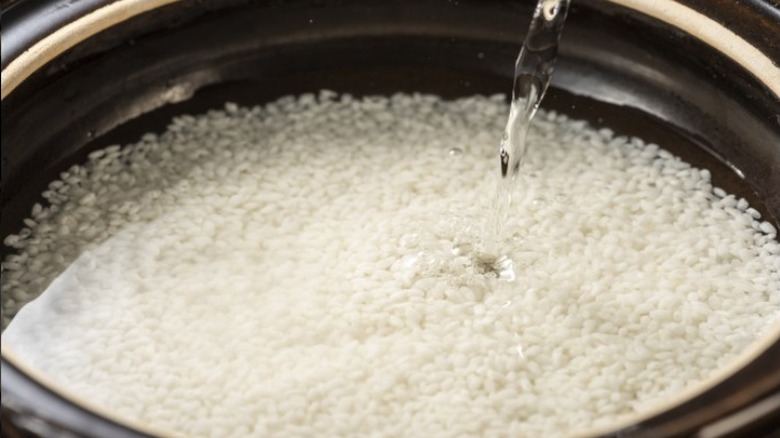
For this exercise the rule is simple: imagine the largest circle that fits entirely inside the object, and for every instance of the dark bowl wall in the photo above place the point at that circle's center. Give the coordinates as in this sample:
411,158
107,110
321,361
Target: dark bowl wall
617,68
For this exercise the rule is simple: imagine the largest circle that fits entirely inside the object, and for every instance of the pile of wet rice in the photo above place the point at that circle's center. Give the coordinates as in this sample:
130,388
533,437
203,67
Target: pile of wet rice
305,268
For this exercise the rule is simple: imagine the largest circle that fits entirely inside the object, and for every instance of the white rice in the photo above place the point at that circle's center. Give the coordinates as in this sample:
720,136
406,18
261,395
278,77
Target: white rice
289,270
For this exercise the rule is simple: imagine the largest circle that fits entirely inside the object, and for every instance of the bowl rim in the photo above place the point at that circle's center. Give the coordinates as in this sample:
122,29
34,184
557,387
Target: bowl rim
109,13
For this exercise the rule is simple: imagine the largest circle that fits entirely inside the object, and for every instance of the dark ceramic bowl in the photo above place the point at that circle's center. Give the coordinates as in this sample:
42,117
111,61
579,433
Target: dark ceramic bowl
697,76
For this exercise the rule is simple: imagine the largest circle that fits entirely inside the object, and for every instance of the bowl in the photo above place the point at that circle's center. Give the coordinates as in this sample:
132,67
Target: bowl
702,79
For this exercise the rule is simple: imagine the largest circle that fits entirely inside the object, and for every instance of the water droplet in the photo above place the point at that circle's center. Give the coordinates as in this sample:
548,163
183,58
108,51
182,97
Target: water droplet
560,198
455,152
90,134
480,55
505,269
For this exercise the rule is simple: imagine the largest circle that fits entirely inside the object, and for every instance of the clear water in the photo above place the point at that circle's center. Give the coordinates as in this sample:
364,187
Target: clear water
533,69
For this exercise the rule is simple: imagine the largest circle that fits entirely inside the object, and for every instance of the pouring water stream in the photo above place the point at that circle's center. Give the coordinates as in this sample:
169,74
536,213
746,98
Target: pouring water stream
533,69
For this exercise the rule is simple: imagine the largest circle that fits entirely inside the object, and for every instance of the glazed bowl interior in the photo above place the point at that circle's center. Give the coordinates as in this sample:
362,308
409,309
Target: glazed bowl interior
618,68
